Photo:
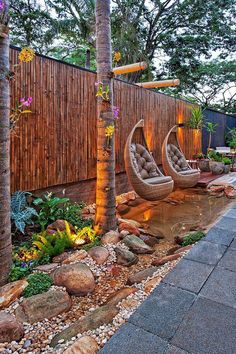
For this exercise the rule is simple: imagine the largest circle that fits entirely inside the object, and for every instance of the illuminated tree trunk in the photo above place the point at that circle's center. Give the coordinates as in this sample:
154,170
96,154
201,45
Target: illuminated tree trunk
105,191
5,225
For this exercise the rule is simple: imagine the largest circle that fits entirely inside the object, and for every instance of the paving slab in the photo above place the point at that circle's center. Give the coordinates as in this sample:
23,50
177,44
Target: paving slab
208,328
133,340
228,261
233,245
206,252
234,205
174,350
226,223
220,236
189,275
163,311
230,213
221,287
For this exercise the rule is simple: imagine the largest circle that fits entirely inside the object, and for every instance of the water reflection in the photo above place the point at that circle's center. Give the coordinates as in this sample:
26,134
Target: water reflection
182,211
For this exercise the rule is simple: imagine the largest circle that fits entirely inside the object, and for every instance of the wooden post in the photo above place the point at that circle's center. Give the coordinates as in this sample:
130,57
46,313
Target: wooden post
156,84
130,68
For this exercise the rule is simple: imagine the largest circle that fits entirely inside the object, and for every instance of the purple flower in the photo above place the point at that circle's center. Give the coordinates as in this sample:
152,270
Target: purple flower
26,101
98,83
116,111
24,265
2,5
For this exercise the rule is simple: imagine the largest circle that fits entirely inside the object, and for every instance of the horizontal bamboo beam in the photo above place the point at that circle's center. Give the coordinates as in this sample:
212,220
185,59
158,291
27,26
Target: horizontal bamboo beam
163,83
119,70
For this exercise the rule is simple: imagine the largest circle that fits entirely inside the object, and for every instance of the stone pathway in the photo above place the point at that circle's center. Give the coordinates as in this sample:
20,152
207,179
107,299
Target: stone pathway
193,310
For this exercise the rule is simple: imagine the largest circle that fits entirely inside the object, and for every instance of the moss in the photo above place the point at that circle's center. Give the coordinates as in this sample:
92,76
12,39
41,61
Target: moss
191,238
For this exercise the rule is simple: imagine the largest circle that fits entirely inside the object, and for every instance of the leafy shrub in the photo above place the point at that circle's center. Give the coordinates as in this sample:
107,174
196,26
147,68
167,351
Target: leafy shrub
51,245
226,160
215,156
38,284
53,208
21,213
21,269
48,208
192,238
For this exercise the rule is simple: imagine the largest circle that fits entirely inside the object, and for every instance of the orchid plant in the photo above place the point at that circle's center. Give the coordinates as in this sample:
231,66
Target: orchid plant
19,110
102,91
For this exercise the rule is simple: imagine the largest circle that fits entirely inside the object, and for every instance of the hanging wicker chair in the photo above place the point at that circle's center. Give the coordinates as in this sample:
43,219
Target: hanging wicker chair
174,162
143,174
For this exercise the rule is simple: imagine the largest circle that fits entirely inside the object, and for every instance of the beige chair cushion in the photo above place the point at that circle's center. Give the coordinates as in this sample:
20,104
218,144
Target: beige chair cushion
158,180
143,162
177,159
189,172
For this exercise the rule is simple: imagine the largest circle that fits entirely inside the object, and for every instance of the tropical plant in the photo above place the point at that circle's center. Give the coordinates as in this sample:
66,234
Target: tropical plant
196,119
105,188
215,156
191,238
5,198
226,160
231,138
21,213
38,283
72,213
51,245
48,209
210,128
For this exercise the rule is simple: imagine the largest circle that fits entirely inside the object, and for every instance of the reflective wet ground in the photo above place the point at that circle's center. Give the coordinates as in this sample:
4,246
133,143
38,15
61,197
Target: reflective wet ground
183,211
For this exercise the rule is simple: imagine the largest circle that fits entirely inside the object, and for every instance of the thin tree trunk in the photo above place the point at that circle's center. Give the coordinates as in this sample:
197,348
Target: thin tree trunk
105,190
5,224
209,143
88,59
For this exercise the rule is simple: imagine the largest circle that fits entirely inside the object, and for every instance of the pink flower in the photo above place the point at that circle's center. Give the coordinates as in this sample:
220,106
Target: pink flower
98,83
116,111
26,101
2,5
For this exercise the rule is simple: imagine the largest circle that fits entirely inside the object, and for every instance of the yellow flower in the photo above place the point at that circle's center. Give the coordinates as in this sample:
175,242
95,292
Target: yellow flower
109,131
26,55
117,57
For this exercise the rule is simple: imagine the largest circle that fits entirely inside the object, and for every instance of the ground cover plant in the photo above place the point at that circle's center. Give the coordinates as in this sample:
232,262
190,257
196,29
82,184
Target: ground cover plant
191,238
38,284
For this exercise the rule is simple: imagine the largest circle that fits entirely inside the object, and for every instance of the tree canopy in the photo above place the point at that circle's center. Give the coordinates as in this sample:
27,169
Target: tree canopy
191,40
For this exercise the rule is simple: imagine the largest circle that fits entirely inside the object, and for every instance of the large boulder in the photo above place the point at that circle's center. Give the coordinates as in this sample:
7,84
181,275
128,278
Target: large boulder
99,254
10,292
84,345
10,328
100,316
76,278
125,257
47,305
111,237
136,245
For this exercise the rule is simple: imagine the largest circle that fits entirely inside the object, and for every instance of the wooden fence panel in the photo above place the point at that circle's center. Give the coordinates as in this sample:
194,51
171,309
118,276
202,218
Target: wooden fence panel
56,143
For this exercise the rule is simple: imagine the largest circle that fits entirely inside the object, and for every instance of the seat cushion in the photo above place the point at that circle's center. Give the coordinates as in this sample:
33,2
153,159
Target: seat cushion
158,180
143,162
188,172
177,159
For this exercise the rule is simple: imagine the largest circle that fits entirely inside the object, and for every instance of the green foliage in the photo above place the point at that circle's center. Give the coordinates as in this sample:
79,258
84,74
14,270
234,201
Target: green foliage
210,127
226,160
21,213
196,119
192,238
53,208
231,138
38,284
96,242
21,269
51,245
215,156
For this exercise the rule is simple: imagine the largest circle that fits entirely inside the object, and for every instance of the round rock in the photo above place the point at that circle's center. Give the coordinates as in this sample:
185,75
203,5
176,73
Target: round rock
10,328
76,278
111,237
99,254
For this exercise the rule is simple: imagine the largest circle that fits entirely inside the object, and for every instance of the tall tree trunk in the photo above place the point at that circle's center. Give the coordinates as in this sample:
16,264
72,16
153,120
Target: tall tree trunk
5,224
88,59
105,190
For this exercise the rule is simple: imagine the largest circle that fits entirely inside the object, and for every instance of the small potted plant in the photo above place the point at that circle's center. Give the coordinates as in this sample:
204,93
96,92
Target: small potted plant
216,163
203,162
227,161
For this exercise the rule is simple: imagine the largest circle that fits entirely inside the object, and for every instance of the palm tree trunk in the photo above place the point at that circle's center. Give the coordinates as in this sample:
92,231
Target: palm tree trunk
5,224
105,190
209,142
88,59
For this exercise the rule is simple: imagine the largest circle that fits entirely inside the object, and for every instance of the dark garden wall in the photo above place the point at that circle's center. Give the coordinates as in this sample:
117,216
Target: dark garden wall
224,121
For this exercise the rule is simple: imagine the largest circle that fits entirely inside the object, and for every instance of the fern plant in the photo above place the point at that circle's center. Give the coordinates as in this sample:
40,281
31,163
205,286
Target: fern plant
21,213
